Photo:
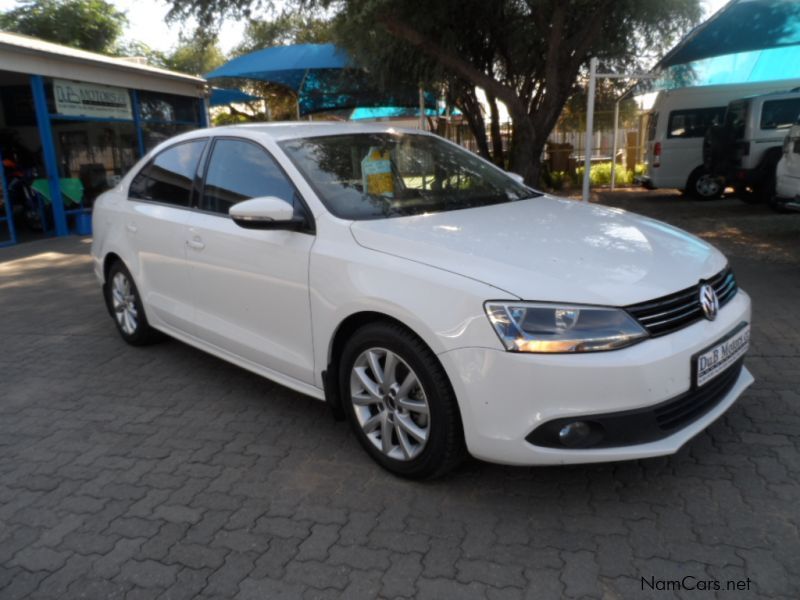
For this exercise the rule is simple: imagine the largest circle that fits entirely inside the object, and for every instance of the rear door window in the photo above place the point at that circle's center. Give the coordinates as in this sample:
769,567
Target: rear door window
169,177
779,114
693,122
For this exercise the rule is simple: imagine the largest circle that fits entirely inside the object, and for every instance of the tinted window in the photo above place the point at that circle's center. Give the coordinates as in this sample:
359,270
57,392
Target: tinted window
239,171
780,114
693,123
168,177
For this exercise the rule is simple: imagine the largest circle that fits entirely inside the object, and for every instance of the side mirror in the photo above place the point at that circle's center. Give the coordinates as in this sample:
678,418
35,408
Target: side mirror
516,177
265,212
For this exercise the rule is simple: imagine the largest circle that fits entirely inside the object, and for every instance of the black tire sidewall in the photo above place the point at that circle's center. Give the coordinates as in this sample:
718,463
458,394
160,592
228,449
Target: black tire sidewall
444,420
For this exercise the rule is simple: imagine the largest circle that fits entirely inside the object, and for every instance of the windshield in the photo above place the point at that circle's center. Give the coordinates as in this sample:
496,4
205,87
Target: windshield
380,175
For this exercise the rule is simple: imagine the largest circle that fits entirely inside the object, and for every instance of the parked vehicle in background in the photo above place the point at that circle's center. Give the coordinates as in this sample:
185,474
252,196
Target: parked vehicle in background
677,125
433,299
787,174
745,150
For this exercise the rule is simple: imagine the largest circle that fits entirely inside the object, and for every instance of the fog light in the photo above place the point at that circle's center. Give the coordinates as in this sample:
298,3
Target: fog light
575,434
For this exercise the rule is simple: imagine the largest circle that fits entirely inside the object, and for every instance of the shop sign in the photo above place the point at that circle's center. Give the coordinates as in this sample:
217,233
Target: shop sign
77,99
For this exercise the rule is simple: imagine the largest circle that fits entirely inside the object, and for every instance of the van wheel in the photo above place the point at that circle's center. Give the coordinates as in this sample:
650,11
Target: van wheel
399,402
702,185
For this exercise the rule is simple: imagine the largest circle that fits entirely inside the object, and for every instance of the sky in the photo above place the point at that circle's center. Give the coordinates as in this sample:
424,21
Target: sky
146,23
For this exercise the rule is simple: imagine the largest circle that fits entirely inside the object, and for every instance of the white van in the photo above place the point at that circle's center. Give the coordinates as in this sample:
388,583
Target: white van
787,174
676,127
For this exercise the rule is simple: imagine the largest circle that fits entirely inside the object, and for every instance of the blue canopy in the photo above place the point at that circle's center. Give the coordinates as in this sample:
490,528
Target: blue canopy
740,26
322,76
225,96
389,112
285,65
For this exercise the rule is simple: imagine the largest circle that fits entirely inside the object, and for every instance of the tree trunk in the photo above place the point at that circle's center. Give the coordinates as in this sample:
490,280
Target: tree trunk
497,139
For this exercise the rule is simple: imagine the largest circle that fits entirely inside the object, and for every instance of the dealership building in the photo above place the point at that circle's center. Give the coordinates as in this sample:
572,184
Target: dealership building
73,122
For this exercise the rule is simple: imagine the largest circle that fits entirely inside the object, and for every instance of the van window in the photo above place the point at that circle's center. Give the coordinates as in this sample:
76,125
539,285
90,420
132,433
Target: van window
693,122
652,122
779,114
736,117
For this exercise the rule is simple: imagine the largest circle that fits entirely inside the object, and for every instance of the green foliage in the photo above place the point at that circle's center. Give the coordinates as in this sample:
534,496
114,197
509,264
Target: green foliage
290,27
196,55
600,174
93,25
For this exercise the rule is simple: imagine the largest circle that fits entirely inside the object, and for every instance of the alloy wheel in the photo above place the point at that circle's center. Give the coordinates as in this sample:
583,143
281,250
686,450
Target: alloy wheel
390,404
123,301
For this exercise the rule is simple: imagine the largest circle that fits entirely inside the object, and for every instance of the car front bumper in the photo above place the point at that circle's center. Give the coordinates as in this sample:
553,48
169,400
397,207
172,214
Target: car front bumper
505,396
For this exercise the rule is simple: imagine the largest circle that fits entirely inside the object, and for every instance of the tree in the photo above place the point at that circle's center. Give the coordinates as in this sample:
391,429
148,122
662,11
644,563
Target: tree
93,25
527,54
196,55
290,27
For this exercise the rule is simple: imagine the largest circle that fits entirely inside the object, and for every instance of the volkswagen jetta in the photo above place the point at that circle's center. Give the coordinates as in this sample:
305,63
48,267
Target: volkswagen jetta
429,297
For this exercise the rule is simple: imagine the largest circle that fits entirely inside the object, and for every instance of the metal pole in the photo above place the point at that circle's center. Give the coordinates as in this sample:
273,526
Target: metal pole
137,122
587,162
421,108
614,146
49,153
9,218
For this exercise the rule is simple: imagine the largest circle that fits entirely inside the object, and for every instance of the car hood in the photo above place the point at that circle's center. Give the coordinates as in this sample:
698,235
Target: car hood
550,249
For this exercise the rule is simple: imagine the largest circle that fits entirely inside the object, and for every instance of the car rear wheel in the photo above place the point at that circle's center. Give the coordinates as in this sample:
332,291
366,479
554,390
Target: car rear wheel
400,403
125,305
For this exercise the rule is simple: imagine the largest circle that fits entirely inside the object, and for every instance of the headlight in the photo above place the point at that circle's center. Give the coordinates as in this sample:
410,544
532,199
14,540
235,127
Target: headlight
531,327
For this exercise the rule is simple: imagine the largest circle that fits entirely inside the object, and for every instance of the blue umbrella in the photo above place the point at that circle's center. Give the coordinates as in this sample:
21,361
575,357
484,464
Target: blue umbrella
322,75
226,96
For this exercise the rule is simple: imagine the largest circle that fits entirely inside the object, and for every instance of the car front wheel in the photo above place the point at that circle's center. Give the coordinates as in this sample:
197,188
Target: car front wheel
400,403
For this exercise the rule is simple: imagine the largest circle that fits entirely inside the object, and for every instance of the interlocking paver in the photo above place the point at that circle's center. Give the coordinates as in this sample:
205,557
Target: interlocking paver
164,472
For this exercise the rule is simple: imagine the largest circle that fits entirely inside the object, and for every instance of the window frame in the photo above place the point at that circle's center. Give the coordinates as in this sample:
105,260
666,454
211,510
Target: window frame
203,174
682,111
193,189
773,101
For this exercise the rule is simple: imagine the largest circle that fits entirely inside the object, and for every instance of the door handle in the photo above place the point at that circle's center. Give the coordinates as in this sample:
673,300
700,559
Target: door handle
195,243
131,228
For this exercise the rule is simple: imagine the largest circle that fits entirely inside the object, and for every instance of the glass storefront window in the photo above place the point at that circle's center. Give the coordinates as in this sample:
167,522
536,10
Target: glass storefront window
97,154
154,133
167,107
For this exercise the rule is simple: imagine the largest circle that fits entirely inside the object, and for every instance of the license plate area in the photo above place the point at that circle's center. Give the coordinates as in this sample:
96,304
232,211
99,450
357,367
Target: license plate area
714,360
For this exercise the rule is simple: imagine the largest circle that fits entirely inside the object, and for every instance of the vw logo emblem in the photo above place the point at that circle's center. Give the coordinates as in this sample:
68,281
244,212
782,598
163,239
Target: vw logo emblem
709,302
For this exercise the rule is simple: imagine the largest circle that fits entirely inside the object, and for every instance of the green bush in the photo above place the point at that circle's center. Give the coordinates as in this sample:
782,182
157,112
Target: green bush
600,174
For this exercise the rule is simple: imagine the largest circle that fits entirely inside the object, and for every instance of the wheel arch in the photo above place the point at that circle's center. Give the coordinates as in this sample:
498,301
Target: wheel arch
344,330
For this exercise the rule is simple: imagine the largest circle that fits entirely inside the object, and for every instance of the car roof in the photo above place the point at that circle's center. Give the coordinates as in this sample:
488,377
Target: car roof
288,130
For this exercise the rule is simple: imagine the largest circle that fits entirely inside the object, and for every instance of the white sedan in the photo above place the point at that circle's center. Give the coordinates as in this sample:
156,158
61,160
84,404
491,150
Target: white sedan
429,297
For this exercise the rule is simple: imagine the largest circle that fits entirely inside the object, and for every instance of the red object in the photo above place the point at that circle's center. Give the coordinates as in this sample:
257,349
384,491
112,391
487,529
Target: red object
657,154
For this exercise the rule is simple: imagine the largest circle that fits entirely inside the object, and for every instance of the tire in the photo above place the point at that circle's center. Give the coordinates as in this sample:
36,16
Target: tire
125,306
407,420
701,185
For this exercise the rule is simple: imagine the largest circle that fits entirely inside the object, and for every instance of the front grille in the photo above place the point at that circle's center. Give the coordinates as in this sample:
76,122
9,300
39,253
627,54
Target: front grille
696,402
681,309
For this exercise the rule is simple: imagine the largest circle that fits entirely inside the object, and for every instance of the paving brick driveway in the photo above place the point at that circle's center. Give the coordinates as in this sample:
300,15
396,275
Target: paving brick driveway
164,472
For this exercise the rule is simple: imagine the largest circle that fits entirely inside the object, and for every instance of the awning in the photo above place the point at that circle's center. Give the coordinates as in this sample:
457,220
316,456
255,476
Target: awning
740,26
226,96
322,76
